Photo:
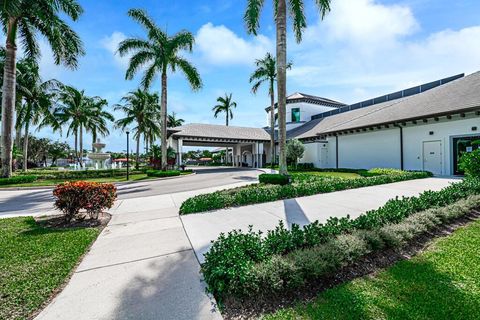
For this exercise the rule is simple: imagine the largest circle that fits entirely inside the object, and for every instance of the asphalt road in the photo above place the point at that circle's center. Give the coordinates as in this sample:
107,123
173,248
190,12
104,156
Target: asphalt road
40,201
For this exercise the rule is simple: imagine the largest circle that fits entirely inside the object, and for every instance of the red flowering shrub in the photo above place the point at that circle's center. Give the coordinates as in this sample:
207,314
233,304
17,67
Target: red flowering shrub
93,197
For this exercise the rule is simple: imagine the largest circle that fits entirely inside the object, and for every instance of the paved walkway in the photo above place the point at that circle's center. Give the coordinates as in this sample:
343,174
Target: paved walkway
142,266
202,228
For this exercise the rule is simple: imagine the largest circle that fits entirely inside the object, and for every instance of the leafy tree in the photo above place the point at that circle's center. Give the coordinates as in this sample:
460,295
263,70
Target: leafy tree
296,10
173,121
57,150
158,55
97,124
266,72
21,21
141,110
295,150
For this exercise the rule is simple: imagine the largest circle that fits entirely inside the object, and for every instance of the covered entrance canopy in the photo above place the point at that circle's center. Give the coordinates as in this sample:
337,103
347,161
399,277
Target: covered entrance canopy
247,144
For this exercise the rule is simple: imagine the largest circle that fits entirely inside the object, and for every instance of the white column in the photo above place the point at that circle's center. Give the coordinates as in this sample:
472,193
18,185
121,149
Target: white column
260,155
180,148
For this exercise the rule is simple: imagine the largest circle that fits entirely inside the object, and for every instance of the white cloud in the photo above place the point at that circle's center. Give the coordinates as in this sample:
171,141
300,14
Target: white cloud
111,43
219,45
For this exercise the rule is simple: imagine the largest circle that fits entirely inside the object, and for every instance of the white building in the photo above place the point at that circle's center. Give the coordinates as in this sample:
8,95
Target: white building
426,127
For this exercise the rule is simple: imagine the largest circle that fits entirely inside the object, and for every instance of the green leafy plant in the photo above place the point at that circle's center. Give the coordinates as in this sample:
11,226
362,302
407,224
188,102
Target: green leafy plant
295,150
161,174
470,163
17,180
271,178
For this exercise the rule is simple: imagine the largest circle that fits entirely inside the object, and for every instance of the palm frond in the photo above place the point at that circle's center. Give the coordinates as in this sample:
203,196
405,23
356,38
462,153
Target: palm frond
252,15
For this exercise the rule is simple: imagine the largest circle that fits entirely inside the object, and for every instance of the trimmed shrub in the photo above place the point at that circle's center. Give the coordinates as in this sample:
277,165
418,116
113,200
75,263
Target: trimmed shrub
305,187
321,248
163,174
48,173
381,171
93,197
272,178
470,163
17,180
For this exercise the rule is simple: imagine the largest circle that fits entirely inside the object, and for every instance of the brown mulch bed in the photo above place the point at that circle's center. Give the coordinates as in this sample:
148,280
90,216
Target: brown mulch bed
58,221
368,265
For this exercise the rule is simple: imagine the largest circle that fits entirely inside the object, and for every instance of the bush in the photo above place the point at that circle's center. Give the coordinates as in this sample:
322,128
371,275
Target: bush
17,180
93,197
162,174
382,171
470,163
269,178
49,173
305,187
318,247
305,166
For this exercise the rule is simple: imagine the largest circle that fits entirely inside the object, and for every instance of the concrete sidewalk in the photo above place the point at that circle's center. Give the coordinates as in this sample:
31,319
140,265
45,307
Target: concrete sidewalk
203,228
142,266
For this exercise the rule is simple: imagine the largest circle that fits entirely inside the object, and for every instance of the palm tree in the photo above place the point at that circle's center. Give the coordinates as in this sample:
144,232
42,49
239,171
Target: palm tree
173,121
97,124
267,72
141,109
77,110
296,10
158,55
22,20
225,104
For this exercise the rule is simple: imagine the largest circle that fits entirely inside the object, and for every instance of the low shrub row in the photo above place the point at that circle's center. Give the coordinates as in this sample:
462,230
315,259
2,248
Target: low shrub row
281,274
273,178
162,174
82,174
17,180
265,193
93,197
230,262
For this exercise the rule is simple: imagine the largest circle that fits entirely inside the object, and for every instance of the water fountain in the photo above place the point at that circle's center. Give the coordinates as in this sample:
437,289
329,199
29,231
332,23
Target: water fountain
98,157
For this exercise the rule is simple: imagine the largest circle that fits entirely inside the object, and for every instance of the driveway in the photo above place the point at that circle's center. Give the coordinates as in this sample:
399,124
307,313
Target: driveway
40,201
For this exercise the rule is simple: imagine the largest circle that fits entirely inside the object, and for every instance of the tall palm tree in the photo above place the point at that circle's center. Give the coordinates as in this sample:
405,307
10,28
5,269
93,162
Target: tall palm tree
267,72
173,121
141,110
296,10
98,123
22,20
77,111
159,54
225,104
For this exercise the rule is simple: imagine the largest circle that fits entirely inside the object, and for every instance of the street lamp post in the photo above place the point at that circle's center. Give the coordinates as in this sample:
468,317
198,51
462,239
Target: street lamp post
128,154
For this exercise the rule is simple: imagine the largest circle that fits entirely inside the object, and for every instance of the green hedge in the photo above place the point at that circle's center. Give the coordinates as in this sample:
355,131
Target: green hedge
265,193
17,180
232,258
162,174
273,178
81,174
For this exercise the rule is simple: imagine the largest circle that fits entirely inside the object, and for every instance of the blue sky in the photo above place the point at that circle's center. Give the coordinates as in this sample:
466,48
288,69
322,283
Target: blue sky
362,49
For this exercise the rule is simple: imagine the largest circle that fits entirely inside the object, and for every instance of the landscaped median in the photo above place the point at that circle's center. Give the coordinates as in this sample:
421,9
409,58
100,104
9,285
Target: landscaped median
303,184
283,262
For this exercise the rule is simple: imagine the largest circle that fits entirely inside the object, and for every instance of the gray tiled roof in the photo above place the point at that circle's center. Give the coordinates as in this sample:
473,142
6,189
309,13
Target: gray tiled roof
302,97
457,96
220,132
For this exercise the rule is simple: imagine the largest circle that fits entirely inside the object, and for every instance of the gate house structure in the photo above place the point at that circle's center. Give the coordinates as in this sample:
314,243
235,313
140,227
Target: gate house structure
427,127
247,144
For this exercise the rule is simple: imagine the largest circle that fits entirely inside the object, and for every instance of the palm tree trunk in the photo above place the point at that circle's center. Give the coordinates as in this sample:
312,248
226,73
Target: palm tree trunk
137,156
18,137
8,99
76,145
25,148
281,26
81,145
94,139
272,124
163,116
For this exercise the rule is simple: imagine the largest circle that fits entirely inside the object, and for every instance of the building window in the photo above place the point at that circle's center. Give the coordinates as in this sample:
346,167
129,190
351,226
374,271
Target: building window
295,114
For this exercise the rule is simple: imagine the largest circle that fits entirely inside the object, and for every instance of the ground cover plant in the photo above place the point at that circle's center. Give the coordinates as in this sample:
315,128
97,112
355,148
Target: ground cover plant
440,283
251,264
303,184
35,261
168,173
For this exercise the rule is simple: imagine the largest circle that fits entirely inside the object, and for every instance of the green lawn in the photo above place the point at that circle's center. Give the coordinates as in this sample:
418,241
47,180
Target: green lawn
441,283
34,261
346,175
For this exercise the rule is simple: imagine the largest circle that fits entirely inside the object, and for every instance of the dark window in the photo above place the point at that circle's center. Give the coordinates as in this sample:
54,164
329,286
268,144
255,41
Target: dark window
295,114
